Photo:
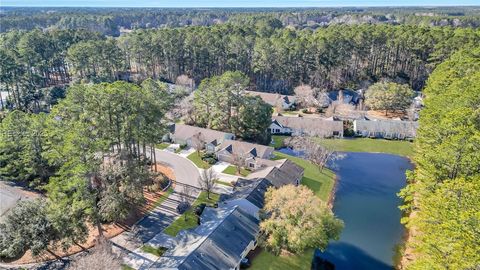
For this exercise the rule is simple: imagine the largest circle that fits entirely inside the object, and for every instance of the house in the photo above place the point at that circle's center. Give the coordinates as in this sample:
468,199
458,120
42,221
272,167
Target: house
311,126
250,194
388,129
287,102
224,237
185,134
286,172
251,153
227,234
347,96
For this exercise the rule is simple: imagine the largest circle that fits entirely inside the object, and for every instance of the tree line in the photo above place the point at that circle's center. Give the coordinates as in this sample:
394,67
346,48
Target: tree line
90,155
275,59
443,191
110,21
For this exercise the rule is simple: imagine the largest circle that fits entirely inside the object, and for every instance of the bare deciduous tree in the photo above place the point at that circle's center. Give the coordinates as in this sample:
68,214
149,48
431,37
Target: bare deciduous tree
198,142
305,95
186,81
239,161
100,257
314,152
185,200
207,180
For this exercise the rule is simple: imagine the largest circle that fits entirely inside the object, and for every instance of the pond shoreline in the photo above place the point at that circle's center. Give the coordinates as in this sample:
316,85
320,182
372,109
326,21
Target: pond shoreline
398,239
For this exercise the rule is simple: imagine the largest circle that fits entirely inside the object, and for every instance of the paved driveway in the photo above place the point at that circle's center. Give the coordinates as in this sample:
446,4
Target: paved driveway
186,174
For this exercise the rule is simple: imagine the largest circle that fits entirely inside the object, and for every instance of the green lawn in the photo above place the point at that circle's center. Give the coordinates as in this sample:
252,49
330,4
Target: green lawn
153,250
402,148
162,145
223,183
278,141
191,221
268,261
321,183
233,171
196,158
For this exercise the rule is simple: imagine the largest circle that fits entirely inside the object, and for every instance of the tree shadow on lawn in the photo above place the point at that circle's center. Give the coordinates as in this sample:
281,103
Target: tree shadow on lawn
314,185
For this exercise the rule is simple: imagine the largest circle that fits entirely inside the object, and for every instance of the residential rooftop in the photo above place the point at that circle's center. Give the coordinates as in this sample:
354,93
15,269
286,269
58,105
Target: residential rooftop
218,243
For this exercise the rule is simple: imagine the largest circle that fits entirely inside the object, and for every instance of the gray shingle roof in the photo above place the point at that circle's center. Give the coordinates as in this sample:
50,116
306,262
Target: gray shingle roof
405,128
272,98
313,126
217,243
239,147
185,132
285,173
251,190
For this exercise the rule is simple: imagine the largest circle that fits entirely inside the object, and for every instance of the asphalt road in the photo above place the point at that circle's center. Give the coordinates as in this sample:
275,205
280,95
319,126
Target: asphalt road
185,171
186,174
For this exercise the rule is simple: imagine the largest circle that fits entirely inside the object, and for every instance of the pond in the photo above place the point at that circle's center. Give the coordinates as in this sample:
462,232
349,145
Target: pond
366,201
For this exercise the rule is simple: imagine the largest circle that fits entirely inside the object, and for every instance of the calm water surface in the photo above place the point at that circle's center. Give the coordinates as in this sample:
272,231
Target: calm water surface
366,201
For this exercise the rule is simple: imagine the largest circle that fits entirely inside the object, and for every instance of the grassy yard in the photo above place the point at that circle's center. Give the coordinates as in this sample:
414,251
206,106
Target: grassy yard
402,148
321,183
191,221
223,183
278,141
268,261
233,171
162,145
197,159
153,250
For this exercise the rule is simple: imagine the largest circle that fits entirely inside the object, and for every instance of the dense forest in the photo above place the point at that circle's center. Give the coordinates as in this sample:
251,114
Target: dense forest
276,59
444,190
110,21
103,89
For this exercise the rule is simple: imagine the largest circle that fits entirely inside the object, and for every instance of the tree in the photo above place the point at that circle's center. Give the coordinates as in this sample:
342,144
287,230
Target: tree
252,120
185,200
23,142
198,142
238,159
448,219
207,181
297,220
99,257
305,96
441,191
26,227
388,96
319,155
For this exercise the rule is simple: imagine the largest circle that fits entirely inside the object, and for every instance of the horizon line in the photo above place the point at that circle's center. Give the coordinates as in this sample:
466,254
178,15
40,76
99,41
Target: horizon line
272,7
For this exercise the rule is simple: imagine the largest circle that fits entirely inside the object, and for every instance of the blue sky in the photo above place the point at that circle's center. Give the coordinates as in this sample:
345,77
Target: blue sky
236,3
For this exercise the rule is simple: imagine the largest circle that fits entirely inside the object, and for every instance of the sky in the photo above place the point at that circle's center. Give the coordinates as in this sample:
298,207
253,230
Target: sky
236,3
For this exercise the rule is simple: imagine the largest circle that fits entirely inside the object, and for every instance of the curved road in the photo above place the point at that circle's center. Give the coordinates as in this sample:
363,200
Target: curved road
185,171
186,174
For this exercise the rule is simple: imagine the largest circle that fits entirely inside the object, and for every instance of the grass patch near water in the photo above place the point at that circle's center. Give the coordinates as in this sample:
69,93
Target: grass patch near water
401,148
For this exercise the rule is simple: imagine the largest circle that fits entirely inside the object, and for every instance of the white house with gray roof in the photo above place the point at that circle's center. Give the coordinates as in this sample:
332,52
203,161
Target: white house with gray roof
274,99
388,129
251,153
184,134
310,126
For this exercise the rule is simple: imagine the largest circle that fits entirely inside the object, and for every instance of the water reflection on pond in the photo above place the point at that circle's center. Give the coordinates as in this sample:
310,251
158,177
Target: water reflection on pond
366,201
